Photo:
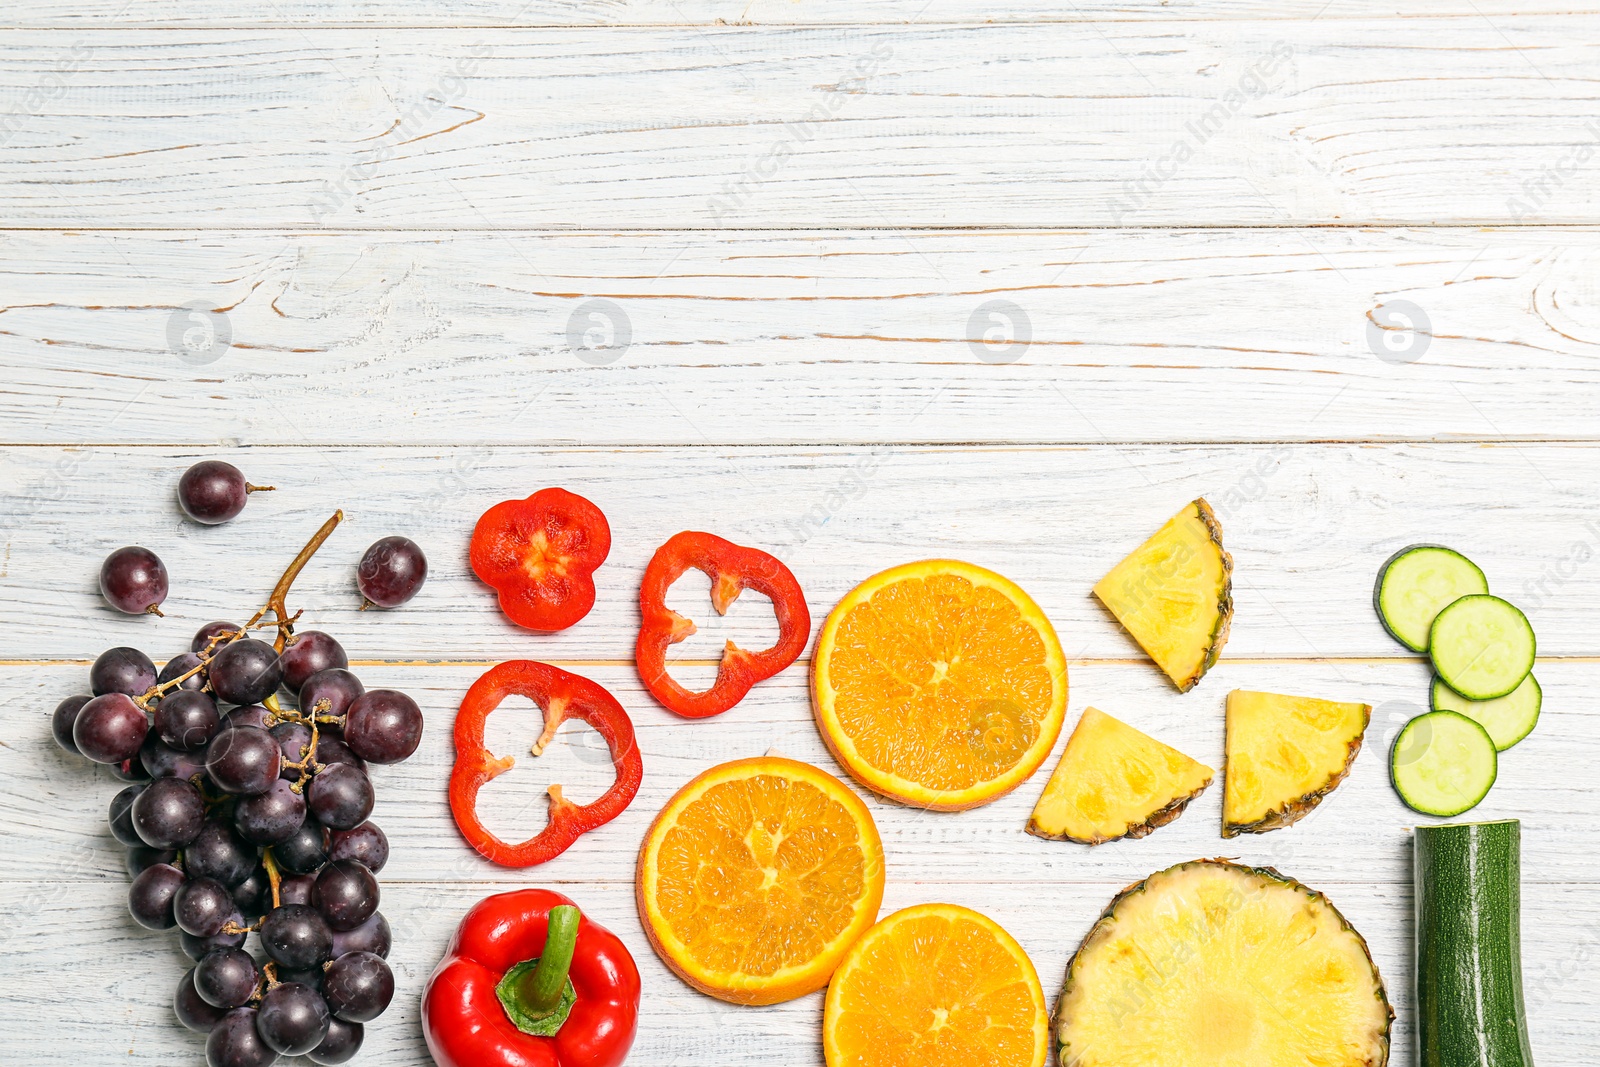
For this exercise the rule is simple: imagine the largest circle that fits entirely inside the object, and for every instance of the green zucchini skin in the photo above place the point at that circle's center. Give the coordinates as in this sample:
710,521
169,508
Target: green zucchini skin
1470,1011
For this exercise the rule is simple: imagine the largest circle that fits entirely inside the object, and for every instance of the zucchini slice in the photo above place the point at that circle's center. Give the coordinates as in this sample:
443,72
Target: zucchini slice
1508,719
1442,763
1482,647
1468,950
1418,582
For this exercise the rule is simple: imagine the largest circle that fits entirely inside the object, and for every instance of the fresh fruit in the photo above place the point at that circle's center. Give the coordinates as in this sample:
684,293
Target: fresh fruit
540,555
1508,719
391,572
383,726
64,718
1418,582
292,1019
122,670
185,719
109,728
1213,963
1285,754
227,978
1174,594
936,984
757,877
245,671
307,653
1468,945
134,580
939,684
359,986
1482,647
1443,763
244,760
1114,781
212,491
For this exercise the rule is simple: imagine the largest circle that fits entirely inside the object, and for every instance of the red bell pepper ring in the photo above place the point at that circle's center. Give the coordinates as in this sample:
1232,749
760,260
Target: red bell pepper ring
489,1005
732,569
540,555
560,696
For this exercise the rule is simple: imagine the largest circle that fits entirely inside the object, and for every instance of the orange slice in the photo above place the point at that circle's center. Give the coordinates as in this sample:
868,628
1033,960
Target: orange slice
936,985
939,684
757,877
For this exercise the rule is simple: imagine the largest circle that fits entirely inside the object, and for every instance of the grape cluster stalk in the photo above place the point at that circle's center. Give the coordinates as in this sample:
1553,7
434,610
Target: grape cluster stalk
246,812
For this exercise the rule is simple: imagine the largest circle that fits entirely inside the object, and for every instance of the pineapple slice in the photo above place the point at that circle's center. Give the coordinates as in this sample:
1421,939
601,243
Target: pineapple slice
1213,963
1114,781
1284,755
1174,594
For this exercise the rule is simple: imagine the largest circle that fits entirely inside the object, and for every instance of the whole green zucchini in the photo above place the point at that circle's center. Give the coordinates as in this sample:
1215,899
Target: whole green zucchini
1469,956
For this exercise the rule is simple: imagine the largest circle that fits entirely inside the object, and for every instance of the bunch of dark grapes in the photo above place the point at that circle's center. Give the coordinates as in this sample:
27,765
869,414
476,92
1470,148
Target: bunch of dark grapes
246,812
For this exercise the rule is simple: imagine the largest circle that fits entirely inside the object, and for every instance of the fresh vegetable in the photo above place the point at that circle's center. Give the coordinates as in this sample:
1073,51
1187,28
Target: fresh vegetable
530,982
732,569
939,684
391,572
134,580
1443,763
1285,754
560,696
540,555
1210,962
1468,940
936,984
1481,646
212,491
1174,594
757,877
1508,719
1114,781
1418,582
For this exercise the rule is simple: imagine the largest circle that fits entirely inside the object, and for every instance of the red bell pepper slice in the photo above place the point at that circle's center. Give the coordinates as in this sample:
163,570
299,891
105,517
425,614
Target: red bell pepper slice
732,569
540,555
560,696
486,1007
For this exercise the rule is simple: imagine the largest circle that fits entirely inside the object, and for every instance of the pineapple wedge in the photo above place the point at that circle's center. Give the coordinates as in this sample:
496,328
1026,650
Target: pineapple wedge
1114,781
1284,755
1174,594
1213,963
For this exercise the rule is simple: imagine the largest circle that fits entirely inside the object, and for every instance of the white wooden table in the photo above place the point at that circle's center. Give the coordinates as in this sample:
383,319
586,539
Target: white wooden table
1332,267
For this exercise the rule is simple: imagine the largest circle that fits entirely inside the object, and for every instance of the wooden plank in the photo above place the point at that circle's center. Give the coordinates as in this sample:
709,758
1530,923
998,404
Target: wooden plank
1211,122
1308,527
794,337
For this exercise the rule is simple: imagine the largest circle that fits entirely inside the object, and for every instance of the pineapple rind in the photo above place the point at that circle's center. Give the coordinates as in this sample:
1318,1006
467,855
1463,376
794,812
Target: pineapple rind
1293,810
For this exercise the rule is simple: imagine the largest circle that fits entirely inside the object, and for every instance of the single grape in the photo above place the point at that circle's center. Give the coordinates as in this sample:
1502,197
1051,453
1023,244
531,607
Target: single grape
253,896
390,572
305,850
151,895
227,978
163,761
244,760
198,948
246,671
129,770
212,491
366,844
134,580
358,986
310,653
63,717
271,817
383,726
296,889
341,1044
110,728
331,749
337,686
179,666
209,637
122,670
142,857
296,937
246,715
292,1018
186,719
218,852
169,813
346,894
122,817
340,796
371,936
202,907
233,1042
193,1012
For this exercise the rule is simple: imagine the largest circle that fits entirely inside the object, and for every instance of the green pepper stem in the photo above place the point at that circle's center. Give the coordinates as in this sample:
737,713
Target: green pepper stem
540,990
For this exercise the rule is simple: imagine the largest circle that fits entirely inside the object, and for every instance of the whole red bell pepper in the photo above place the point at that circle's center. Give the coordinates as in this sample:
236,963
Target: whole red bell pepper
732,569
540,555
561,696
529,982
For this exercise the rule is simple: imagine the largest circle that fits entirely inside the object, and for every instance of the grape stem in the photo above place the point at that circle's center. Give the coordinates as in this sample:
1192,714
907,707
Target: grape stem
274,877
248,488
232,927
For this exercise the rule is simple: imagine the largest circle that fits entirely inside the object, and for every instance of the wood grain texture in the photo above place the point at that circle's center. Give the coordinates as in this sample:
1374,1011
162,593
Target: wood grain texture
1183,123
799,337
